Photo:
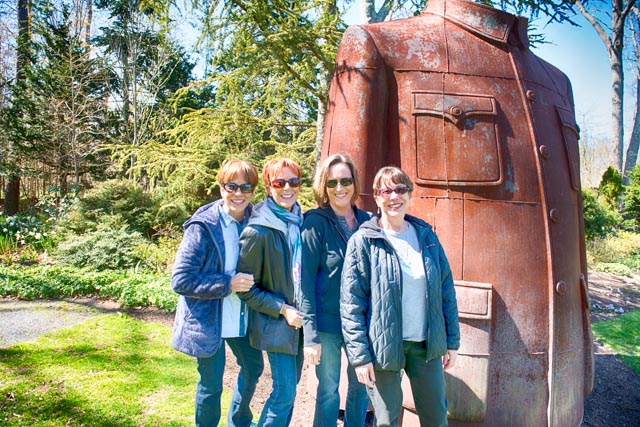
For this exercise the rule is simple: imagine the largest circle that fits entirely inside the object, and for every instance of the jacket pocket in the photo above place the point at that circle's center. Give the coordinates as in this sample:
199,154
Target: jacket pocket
570,134
468,380
456,137
273,334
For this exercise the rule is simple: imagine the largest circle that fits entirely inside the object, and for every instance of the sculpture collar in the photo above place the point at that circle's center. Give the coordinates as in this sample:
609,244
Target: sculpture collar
482,20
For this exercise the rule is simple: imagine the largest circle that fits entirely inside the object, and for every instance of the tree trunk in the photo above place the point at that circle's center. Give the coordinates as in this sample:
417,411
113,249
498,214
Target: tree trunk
12,195
617,86
12,187
614,44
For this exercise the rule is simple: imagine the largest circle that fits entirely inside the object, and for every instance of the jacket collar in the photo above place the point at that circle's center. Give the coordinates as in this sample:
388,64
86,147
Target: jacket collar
482,20
210,214
264,216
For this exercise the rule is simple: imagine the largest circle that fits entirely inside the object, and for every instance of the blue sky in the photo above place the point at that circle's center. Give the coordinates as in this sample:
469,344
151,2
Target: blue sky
579,53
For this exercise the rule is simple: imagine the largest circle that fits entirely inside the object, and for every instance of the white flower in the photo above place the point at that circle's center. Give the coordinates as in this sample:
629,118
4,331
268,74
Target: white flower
38,236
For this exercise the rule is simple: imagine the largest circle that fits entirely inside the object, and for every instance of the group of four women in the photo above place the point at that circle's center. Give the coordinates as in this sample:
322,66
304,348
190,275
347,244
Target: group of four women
266,278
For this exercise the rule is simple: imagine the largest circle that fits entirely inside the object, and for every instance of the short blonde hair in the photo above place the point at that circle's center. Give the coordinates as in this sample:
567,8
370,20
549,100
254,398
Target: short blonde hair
388,175
320,180
235,167
274,166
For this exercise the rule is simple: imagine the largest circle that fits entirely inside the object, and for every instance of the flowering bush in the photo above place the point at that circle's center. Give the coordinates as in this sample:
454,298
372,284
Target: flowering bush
26,229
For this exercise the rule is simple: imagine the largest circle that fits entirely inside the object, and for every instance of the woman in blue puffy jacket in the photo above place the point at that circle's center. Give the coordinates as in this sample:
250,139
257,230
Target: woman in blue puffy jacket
204,274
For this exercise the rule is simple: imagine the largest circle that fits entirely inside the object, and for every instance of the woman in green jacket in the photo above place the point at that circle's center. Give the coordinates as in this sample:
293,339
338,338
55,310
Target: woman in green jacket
270,250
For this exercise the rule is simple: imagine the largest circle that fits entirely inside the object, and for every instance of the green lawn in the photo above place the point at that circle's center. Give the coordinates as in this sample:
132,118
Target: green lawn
622,336
111,370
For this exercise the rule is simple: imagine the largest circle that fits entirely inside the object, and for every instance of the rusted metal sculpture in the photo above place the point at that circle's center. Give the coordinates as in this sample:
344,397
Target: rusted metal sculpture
487,131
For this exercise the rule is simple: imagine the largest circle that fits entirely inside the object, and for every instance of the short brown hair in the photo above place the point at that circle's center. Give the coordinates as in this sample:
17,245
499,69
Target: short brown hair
274,166
236,167
320,180
391,174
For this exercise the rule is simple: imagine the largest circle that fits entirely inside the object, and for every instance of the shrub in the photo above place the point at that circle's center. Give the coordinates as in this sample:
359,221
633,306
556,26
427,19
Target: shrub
599,219
611,252
159,256
611,188
632,199
118,199
111,246
26,229
56,281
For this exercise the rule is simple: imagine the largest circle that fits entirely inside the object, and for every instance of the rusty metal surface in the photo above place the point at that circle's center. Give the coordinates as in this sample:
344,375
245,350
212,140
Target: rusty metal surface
487,132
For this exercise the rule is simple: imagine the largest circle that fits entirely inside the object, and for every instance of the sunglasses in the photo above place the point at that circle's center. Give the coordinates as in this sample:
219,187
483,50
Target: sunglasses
345,182
231,187
399,190
280,183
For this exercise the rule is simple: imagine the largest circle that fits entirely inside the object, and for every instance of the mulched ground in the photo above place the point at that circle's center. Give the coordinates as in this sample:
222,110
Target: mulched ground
615,400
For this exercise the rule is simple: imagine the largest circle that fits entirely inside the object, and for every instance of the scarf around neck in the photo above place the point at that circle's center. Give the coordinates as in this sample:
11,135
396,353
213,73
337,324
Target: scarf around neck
293,220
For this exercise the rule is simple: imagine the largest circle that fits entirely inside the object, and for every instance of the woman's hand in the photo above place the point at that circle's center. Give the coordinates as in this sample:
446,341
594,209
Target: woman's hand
449,359
241,282
292,316
366,375
312,354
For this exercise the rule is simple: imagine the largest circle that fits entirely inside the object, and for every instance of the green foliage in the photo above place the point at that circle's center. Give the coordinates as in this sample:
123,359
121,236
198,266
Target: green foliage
25,229
599,218
613,268
108,247
621,336
159,256
121,200
611,188
632,198
55,281
616,253
110,370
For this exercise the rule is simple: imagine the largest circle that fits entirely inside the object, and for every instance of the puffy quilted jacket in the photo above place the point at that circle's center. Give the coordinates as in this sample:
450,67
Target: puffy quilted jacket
199,277
371,298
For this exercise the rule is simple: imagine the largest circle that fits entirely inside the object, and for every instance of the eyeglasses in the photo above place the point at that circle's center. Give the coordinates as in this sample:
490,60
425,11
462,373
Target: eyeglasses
399,190
231,187
345,182
281,183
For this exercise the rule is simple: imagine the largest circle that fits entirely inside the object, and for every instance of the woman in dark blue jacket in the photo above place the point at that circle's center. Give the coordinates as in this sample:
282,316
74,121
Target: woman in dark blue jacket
325,232
204,274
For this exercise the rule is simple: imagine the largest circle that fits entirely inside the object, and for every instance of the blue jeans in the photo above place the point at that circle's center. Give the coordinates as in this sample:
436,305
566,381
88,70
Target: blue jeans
209,389
327,395
251,365
285,374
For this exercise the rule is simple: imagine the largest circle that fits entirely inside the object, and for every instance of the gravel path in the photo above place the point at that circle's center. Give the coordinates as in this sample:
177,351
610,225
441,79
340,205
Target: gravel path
22,321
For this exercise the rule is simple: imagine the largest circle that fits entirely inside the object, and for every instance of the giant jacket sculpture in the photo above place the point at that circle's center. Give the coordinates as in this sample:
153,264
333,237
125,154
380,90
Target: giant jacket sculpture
487,132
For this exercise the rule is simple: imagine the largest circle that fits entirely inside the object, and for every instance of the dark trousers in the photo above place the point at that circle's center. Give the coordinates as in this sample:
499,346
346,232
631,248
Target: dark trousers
427,386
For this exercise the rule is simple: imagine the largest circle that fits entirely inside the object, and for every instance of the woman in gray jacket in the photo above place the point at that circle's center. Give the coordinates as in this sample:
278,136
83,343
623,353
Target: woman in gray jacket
398,306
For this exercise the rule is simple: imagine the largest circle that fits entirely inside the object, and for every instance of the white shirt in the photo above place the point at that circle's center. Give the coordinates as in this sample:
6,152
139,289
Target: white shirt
234,310
414,283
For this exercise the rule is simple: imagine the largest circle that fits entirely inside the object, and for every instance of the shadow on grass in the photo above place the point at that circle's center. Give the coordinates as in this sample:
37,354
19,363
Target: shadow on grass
108,371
